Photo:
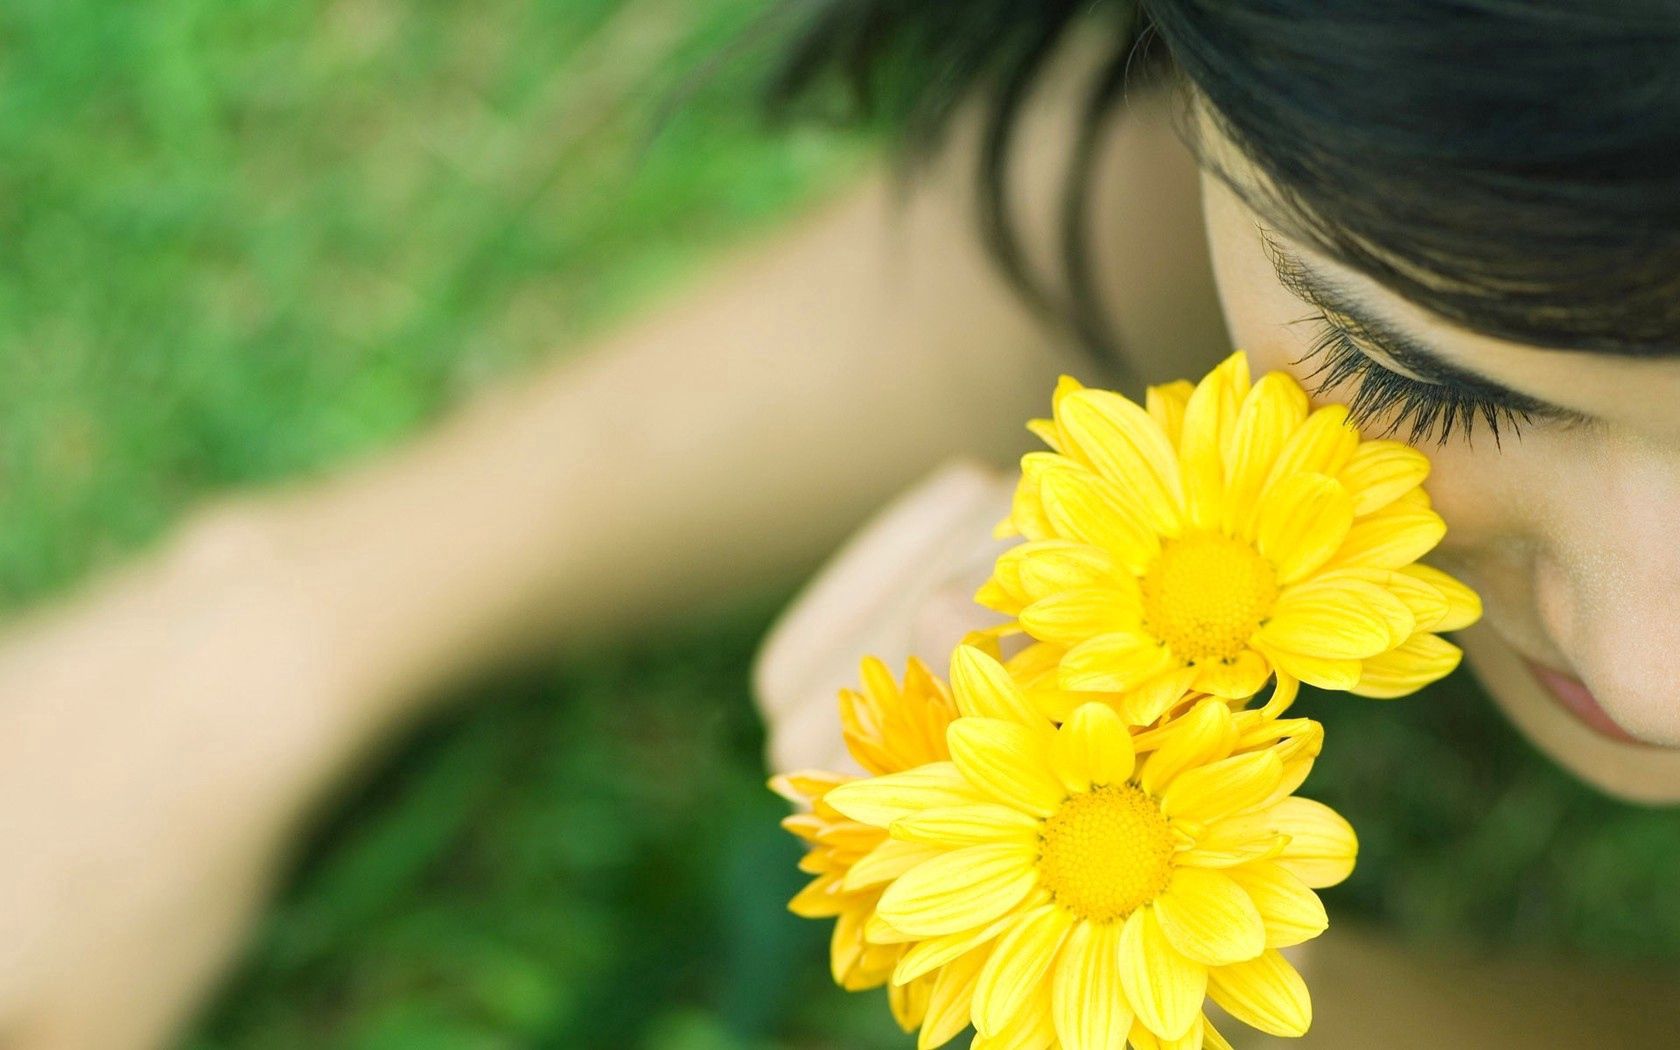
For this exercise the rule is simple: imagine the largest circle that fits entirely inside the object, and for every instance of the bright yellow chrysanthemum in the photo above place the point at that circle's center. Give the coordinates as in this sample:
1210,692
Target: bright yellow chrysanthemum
1089,885
888,729
1222,534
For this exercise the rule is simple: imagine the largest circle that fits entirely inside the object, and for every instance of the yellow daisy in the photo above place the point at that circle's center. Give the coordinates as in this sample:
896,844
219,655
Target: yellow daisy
888,729
1100,884
1223,533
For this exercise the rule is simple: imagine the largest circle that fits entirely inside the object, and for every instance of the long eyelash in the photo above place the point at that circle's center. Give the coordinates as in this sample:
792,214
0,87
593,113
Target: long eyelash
1426,411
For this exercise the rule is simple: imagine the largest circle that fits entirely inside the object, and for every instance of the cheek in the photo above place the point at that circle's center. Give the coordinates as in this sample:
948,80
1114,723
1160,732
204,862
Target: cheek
1263,317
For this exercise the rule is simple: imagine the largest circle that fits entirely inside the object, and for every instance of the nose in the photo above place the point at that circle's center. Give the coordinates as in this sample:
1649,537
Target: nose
1608,586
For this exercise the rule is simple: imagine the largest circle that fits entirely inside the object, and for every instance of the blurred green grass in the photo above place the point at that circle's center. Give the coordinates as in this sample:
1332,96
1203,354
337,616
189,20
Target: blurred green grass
242,240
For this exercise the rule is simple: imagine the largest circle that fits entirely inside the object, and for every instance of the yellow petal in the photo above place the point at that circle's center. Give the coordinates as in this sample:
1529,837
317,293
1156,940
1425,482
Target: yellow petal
1032,1029
1417,499
879,931
950,1001
1026,511
1345,620
1083,506
1128,448
1397,599
1380,472
805,784
1017,965
982,688
1007,761
924,957
1048,432
1209,416
1391,539
1322,846
1092,748
1302,520
1228,786
1059,704
1114,662
1209,918
1211,1039
885,863
1035,664
816,863
1292,912
1426,604
1285,688
1144,1039
1066,387
959,890
820,899
1237,679
1165,404
1324,444
1323,672
1275,407
1052,566
1265,993
878,801
1003,592
1464,606
1298,753
1202,736
1152,698
1423,659
1219,853
1164,988
1087,1003
909,1004
1234,374
966,825
846,949
1071,617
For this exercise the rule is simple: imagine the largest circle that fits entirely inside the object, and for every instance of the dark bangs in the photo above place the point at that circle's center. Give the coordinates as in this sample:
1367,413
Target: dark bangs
1512,165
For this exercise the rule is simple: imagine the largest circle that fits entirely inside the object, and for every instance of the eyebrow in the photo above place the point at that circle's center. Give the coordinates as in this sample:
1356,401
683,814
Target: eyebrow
1345,307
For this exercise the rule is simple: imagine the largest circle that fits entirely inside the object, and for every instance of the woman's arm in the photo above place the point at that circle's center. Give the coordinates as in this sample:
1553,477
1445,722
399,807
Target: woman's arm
734,438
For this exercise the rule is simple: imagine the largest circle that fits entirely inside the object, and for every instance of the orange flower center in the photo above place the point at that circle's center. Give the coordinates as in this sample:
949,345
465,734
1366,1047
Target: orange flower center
1106,853
1206,595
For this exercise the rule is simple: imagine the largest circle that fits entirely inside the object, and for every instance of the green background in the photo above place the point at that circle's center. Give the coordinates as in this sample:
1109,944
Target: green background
242,240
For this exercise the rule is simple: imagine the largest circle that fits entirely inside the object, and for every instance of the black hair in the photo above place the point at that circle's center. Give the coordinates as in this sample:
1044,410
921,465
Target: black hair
1511,165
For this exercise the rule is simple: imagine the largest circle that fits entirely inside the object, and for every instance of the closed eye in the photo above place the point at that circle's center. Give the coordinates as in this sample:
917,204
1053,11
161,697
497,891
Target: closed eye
1399,405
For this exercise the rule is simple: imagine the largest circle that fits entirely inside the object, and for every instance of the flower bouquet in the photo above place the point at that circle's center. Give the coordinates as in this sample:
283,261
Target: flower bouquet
1092,827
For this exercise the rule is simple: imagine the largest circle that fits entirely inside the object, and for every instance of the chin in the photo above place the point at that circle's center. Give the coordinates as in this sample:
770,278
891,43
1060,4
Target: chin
1633,772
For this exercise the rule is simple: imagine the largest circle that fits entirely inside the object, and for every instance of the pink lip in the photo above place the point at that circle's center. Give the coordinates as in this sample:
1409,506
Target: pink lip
1573,695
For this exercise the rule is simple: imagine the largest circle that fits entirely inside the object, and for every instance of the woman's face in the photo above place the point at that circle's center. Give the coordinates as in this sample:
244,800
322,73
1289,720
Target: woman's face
1568,525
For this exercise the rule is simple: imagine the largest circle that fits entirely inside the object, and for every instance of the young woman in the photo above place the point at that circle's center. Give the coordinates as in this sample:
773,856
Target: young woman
1461,215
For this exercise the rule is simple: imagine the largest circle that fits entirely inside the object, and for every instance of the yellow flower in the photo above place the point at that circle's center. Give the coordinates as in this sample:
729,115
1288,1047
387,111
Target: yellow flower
1222,534
887,730
1095,885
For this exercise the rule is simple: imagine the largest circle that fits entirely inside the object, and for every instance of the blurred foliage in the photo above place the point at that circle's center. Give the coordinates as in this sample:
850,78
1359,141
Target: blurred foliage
244,239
